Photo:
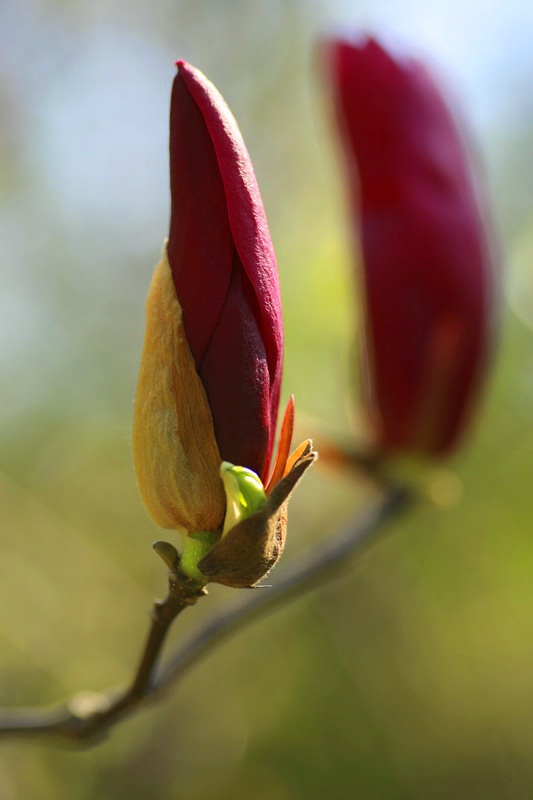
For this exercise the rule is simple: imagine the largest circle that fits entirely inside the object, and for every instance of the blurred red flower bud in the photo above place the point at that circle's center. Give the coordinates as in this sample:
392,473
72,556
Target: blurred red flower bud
427,262
224,271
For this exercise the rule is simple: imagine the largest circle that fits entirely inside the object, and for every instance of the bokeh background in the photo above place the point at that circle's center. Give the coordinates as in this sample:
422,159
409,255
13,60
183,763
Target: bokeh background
411,677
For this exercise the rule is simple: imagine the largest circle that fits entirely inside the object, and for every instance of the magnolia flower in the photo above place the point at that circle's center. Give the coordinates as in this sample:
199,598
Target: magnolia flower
427,266
209,384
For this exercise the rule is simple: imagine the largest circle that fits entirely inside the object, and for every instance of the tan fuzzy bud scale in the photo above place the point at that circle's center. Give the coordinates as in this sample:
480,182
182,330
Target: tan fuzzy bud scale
174,447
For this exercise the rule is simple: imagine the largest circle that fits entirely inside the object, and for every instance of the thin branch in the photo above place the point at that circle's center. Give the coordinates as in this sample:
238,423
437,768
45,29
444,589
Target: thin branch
310,570
89,716
88,721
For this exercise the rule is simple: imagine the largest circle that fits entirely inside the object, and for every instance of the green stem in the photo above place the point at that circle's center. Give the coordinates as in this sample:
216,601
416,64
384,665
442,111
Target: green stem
196,546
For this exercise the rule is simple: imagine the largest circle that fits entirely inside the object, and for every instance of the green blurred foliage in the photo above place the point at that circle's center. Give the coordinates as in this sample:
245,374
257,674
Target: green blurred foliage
410,677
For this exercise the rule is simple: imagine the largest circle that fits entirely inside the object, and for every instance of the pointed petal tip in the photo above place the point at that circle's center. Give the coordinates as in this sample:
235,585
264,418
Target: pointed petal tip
284,445
184,68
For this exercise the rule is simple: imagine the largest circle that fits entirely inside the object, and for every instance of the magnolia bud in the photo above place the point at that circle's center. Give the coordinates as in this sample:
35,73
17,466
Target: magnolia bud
211,367
428,269
210,373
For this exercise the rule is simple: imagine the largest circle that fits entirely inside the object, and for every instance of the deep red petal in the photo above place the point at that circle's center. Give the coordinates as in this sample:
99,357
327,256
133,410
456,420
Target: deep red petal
427,264
247,221
235,375
200,245
216,214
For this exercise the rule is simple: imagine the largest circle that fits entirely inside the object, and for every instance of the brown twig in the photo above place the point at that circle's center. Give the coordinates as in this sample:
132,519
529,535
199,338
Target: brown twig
89,716
87,720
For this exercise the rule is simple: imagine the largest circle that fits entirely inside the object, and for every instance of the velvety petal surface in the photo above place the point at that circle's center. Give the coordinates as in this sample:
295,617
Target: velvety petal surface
200,245
247,220
227,370
225,271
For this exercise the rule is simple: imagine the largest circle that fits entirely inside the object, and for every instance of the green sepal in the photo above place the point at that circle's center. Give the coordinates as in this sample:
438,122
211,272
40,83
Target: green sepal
195,547
245,494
